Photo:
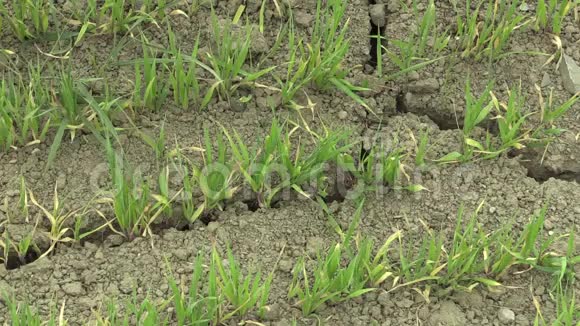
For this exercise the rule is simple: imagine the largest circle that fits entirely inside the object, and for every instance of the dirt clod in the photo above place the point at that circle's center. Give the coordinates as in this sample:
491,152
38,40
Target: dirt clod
506,316
570,74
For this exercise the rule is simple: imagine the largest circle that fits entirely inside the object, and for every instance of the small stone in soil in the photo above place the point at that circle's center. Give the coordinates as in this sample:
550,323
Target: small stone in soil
272,312
314,245
426,86
74,288
285,265
384,299
405,303
506,316
114,240
303,19
570,74
377,13
181,254
546,81
213,226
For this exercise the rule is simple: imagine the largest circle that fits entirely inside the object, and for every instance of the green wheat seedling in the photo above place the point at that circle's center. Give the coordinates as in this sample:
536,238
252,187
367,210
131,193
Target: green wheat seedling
191,209
151,90
364,169
297,75
196,307
566,314
23,246
476,111
489,36
257,166
535,251
318,62
113,16
380,39
301,169
131,199
529,249
410,54
512,123
156,143
390,167
477,257
227,59
426,27
470,31
328,44
510,21
68,100
23,118
464,263
460,267
21,314
58,219
429,263
328,47
510,120
549,114
7,131
25,12
377,168
69,113
244,293
164,197
422,265
145,312
552,13
331,281
421,150
215,178
183,77
142,312
380,267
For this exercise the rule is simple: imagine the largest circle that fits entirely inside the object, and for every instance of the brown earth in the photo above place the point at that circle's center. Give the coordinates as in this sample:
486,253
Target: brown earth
513,188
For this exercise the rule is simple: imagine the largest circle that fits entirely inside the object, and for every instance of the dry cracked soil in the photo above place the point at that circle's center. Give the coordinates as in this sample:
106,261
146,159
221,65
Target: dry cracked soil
513,187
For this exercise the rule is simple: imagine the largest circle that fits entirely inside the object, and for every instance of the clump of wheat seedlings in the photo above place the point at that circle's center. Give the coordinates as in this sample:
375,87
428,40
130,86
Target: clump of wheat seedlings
151,90
330,281
410,54
58,218
22,314
476,257
196,306
490,36
228,57
378,168
23,118
551,13
257,165
119,16
244,293
335,281
132,199
319,61
24,13
183,74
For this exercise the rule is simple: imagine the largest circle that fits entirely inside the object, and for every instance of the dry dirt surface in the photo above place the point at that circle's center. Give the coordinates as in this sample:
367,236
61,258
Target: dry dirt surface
106,266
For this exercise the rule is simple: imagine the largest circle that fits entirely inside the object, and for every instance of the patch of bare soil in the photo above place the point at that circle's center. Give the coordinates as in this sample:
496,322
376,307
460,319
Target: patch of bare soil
514,187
